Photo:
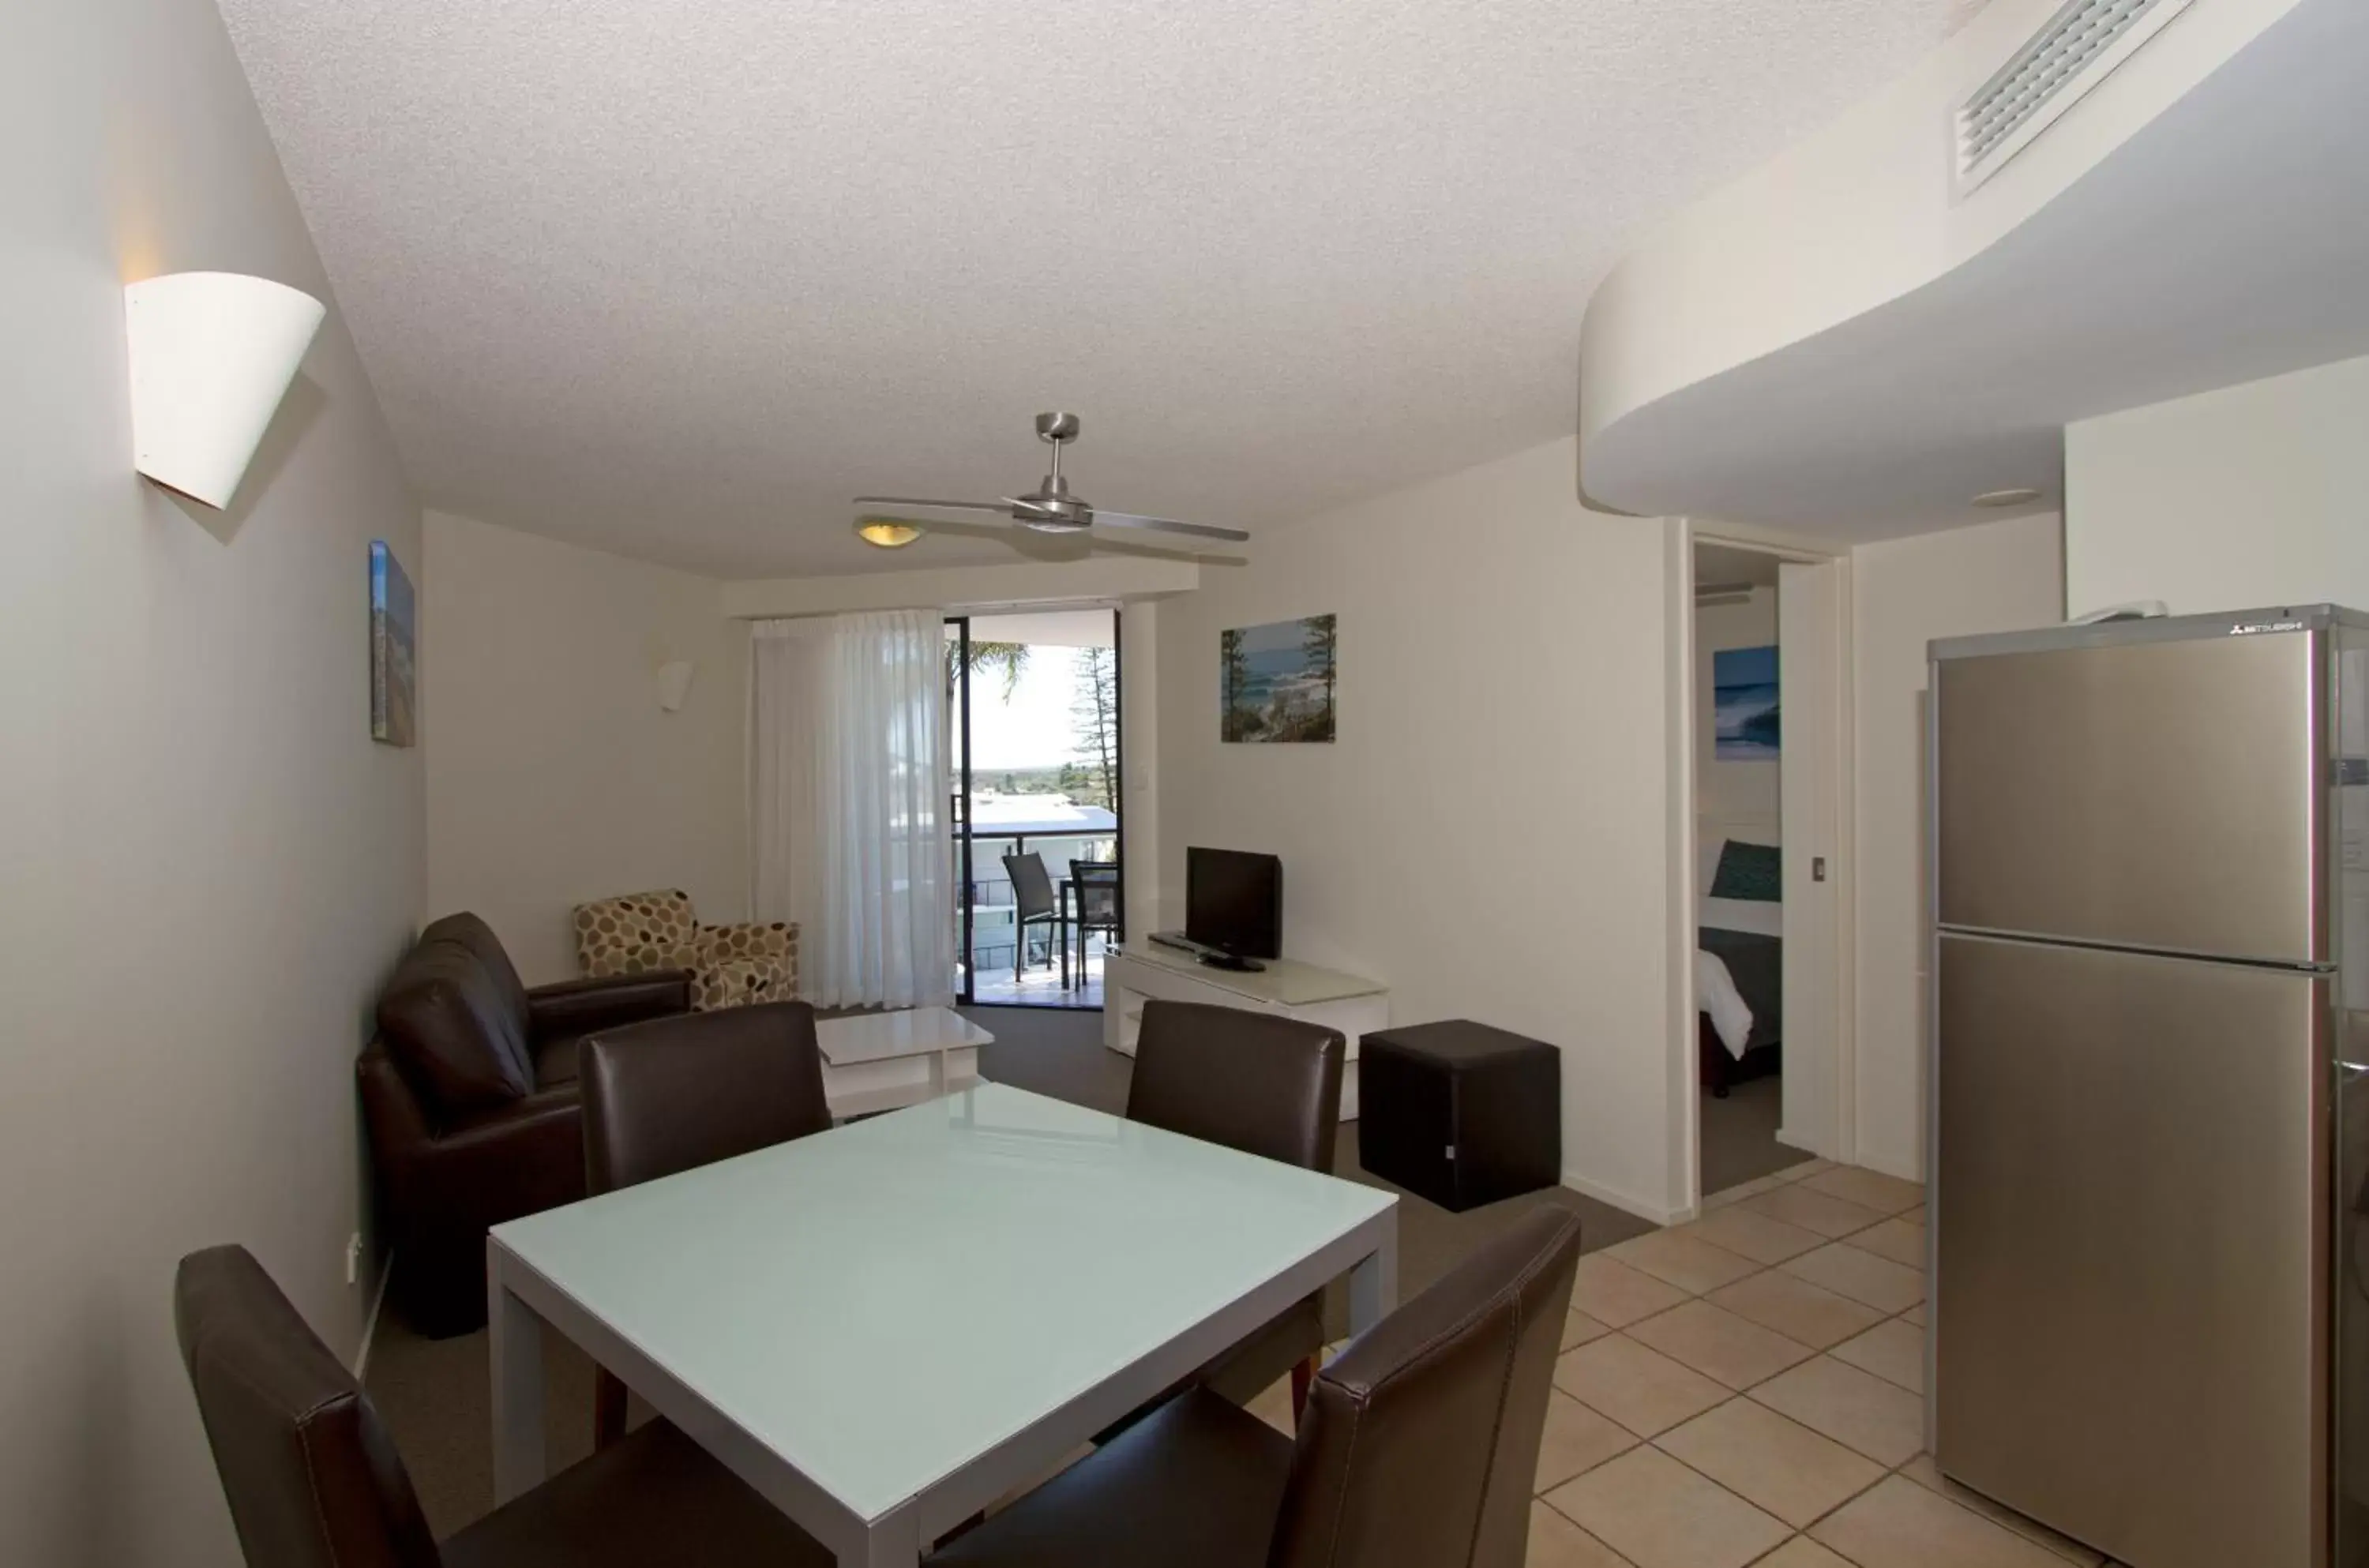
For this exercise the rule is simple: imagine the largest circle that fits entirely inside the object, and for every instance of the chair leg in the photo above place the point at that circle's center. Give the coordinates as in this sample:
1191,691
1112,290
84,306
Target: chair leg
1303,1376
608,1408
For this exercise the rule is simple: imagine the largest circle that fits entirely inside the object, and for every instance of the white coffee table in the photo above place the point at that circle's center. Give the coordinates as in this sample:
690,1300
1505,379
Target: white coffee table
880,1061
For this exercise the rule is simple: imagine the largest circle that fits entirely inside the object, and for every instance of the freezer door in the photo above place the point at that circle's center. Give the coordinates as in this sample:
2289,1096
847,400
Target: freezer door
2163,795
2129,1331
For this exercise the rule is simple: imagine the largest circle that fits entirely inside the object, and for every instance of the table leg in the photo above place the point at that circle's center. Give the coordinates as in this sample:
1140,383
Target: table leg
1374,1284
516,1344
1064,921
938,1075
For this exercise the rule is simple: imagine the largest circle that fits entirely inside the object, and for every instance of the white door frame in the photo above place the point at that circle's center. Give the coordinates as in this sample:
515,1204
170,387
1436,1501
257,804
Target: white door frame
1686,1122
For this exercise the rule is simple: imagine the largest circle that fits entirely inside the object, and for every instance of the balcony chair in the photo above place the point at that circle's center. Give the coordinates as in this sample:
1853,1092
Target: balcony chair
1032,896
1096,882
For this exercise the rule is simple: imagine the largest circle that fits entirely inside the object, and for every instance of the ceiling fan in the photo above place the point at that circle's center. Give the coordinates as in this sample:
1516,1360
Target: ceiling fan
1053,507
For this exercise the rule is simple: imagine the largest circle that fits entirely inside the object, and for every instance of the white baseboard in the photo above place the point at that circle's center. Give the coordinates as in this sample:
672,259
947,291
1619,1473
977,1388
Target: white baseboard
370,1324
1626,1203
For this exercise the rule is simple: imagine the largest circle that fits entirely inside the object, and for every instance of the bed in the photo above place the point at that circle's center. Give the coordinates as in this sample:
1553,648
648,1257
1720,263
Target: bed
1739,960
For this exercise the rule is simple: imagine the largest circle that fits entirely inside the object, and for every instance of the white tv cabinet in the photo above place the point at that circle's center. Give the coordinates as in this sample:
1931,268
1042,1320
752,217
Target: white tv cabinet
1145,971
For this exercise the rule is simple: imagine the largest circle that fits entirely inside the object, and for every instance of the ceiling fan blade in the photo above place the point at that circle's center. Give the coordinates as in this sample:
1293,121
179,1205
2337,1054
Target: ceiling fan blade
1166,525
917,501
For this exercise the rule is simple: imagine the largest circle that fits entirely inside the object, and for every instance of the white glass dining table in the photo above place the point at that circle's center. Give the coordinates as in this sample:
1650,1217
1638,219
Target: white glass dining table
883,1327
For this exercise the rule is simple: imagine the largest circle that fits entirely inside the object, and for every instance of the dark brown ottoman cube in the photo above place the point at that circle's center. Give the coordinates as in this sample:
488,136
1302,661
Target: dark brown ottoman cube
1460,1113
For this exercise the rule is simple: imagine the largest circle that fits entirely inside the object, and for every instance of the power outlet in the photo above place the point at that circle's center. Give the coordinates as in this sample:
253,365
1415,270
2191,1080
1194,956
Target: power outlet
354,1258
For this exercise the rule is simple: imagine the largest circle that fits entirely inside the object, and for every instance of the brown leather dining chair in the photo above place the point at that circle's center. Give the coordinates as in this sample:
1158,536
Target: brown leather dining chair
1264,1085
314,1482
681,1093
1418,1450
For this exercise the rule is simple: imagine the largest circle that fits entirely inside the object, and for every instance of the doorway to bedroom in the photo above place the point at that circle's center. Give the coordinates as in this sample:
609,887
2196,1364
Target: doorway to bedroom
1757,727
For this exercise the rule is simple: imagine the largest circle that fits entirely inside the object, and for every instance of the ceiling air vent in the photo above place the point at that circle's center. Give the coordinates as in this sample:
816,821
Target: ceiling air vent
2071,54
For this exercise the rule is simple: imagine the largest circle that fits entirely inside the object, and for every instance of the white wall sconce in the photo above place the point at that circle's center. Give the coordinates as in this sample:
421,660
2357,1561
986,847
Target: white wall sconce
674,683
213,353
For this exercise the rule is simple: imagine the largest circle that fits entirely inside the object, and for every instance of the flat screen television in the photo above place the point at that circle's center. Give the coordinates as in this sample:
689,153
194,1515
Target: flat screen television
1234,902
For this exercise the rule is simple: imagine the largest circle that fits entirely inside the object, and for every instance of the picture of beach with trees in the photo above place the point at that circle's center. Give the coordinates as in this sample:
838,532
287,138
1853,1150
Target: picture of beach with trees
1277,680
394,650
1744,705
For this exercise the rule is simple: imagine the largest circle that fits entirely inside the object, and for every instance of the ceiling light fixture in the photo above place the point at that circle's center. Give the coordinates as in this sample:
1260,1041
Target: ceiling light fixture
2014,497
885,532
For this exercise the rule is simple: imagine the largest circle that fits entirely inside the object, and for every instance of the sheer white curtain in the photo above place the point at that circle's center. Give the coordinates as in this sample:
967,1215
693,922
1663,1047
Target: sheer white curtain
848,803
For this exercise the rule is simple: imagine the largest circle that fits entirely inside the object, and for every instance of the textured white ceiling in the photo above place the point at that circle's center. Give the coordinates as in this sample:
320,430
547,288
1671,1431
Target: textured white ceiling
678,278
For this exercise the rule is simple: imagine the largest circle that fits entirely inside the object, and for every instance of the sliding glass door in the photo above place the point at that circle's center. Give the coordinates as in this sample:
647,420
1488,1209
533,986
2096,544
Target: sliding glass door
1034,735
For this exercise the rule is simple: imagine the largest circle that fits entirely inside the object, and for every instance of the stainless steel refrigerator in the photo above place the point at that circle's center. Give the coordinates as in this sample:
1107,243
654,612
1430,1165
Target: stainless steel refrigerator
2149,883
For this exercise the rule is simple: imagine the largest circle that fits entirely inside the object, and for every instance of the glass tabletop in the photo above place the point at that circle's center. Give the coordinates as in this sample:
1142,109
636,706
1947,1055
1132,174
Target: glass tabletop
882,1303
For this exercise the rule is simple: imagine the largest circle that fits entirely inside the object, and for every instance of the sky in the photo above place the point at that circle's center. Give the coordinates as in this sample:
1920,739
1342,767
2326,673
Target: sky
1033,730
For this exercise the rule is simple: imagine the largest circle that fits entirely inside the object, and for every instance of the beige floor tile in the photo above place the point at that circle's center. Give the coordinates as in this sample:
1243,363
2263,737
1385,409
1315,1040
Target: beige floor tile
1923,1471
1556,1542
1739,1191
1802,1553
1658,1514
1721,1345
1800,1169
1693,1266
1870,1189
1894,1351
1752,1234
1781,1465
1856,1409
1895,1239
1847,1271
1578,1328
1576,1440
1915,1315
1796,1308
1611,1292
1899,1523
1640,1389
1813,1210
1914,1216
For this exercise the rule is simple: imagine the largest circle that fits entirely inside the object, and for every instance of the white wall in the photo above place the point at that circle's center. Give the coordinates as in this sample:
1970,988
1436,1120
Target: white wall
2000,577
208,866
2250,496
1732,792
1488,834
553,774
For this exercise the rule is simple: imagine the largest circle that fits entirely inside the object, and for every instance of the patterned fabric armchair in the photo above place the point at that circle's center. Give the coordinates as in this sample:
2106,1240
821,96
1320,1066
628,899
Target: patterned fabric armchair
731,966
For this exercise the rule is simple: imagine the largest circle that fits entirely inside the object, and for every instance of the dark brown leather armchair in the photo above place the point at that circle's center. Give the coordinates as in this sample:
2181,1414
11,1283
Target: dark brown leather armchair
470,1101
1418,1449
1265,1085
314,1481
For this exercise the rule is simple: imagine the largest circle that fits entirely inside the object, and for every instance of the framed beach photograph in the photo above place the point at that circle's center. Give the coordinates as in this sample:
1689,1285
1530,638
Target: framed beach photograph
1276,680
395,649
1744,705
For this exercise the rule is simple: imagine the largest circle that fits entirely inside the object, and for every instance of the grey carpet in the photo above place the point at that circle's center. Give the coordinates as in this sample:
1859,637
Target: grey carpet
434,1394
1739,1136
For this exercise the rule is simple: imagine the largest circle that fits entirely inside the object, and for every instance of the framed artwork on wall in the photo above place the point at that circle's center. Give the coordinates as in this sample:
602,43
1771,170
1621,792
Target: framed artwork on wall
395,649
1744,726
1276,680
